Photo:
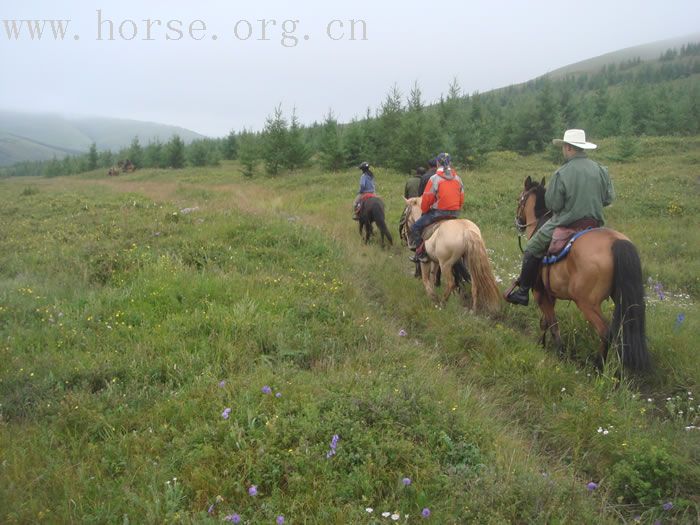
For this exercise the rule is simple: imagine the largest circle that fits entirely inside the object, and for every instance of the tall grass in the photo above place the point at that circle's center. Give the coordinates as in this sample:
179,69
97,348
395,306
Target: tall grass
129,321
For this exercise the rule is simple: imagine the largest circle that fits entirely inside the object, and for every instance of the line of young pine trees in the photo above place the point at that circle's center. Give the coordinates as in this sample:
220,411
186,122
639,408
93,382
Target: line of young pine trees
172,154
629,99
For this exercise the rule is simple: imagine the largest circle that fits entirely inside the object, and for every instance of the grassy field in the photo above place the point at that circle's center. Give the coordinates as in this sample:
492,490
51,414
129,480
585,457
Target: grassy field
172,339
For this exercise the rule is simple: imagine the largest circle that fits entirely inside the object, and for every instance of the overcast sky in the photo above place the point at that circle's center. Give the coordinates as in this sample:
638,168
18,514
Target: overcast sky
228,76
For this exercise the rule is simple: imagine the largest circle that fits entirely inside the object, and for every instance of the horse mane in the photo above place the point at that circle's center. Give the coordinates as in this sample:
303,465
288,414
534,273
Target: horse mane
540,207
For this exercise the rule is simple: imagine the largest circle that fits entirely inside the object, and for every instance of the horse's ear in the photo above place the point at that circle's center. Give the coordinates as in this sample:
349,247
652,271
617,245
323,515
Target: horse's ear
528,182
542,183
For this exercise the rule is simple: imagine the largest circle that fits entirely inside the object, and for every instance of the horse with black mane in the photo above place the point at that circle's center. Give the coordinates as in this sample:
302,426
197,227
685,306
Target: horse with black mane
372,211
601,263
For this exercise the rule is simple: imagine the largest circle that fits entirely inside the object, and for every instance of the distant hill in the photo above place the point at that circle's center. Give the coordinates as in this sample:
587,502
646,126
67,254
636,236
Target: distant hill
35,136
651,51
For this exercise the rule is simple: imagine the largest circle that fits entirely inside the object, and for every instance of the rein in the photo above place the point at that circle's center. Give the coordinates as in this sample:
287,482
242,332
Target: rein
522,228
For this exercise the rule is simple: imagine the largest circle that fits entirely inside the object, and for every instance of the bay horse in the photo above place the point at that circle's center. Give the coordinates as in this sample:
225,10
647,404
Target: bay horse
372,211
454,241
602,263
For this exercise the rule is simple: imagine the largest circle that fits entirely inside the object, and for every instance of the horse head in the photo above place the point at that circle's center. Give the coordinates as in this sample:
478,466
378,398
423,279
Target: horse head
413,210
531,206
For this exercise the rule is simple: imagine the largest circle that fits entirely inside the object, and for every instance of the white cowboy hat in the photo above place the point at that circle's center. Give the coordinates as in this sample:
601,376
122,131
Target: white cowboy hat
575,137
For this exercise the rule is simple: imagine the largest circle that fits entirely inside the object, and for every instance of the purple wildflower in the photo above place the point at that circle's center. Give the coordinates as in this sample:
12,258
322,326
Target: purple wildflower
211,508
659,289
334,444
668,505
222,383
425,513
406,481
280,519
679,320
402,333
234,518
266,390
592,486
253,490
226,413
278,395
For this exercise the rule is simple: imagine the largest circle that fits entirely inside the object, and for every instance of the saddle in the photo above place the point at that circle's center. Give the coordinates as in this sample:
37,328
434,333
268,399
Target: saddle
430,229
564,236
366,196
361,202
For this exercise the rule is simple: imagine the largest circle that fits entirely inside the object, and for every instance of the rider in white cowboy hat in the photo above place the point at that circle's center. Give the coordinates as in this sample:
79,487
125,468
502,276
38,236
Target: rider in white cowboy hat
576,138
579,190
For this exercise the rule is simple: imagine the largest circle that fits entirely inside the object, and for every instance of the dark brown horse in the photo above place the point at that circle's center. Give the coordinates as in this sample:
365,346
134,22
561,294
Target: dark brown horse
372,211
602,263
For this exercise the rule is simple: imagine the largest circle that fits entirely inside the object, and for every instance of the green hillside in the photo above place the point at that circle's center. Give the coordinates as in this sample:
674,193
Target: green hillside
645,53
37,137
142,317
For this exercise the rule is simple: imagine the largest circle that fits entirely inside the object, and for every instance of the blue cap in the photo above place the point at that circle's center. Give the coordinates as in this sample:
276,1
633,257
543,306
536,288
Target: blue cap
444,159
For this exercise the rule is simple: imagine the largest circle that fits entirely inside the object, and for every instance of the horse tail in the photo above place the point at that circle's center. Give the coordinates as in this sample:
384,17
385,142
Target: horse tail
381,224
628,322
485,294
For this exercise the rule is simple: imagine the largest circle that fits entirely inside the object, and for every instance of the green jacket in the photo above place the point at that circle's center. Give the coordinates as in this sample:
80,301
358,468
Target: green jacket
412,186
580,189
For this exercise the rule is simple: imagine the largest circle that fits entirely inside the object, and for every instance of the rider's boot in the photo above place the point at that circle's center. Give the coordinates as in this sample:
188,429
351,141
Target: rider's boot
420,255
528,275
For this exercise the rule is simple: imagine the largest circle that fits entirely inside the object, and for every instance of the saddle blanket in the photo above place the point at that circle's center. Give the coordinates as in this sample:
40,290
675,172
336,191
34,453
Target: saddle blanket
554,257
430,228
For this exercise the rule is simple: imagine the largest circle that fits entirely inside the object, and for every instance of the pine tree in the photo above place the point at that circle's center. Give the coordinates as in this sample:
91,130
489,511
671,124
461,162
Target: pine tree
197,153
545,114
175,153
247,152
229,147
275,142
414,137
135,153
153,156
331,148
53,168
567,109
389,146
354,144
106,159
92,157
628,145
297,153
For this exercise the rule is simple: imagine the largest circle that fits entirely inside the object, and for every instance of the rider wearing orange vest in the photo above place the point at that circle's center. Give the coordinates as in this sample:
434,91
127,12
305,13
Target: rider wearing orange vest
443,197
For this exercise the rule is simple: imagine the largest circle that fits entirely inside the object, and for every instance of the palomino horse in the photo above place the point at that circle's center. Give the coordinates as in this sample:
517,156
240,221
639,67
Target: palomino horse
372,211
602,263
456,240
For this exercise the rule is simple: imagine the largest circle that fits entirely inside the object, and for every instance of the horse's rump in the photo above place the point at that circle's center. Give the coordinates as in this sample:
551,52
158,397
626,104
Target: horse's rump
372,211
587,271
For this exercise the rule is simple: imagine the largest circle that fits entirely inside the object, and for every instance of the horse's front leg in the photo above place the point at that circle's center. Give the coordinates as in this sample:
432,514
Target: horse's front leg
549,319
